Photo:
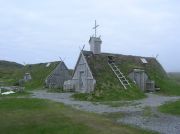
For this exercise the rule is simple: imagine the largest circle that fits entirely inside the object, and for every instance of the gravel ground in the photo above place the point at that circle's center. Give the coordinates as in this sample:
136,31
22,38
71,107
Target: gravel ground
165,124
162,123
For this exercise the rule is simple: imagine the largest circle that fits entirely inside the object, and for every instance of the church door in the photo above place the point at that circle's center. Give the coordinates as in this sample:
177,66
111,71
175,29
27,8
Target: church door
81,85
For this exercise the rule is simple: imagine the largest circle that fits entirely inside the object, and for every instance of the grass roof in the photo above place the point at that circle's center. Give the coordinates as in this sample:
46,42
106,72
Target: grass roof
39,72
126,63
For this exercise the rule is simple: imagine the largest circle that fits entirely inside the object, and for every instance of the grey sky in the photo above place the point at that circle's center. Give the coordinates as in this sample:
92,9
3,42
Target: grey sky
42,30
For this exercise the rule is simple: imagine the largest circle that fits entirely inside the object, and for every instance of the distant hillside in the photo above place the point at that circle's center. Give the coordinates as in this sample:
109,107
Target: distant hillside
175,76
9,64
9,72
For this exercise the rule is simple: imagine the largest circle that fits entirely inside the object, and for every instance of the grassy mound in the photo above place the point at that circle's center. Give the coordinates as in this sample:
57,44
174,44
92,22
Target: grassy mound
171,108
35,116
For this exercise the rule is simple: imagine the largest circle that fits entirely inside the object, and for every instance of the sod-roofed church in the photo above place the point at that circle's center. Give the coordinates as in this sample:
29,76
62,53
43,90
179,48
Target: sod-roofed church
97,70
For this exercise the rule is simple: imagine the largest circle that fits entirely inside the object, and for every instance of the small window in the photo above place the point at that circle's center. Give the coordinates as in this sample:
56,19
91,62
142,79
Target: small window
144,61
48,64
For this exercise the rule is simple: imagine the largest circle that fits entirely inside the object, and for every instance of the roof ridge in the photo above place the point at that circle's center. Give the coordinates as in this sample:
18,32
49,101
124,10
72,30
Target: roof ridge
86,52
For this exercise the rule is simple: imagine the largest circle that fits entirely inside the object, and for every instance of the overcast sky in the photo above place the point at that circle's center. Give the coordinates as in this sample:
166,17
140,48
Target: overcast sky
36,31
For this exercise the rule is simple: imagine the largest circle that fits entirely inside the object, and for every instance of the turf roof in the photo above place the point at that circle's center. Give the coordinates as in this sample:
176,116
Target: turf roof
103,74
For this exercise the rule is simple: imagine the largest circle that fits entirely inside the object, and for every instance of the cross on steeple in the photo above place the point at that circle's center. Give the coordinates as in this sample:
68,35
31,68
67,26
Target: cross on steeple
95,28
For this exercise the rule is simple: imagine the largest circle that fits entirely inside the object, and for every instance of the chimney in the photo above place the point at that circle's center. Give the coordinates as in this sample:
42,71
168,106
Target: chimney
95,44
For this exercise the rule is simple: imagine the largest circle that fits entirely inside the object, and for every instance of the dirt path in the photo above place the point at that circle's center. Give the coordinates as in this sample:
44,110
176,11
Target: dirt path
134,113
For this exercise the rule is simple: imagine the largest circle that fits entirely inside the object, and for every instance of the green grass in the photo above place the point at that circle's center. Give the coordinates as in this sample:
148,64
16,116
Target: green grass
110,94
171,108
28,116
175,76
169,87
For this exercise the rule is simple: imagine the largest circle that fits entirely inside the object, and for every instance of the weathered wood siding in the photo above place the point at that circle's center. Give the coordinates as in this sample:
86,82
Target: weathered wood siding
58,76
83,80
142,80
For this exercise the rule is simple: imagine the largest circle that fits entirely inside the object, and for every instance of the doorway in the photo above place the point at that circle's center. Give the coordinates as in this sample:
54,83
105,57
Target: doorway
81,76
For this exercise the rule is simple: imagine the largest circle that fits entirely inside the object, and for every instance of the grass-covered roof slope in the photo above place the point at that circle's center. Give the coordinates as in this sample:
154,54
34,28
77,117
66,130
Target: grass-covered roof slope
9,72
39,72
106,79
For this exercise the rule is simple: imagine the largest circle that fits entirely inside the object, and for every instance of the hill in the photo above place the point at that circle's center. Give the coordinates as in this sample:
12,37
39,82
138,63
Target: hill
9,64
9,72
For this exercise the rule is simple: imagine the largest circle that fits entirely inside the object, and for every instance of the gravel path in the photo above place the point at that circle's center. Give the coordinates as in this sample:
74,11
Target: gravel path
165,124
162,123
82,105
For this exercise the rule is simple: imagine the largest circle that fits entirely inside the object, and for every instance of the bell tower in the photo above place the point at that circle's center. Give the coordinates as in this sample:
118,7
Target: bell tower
95,42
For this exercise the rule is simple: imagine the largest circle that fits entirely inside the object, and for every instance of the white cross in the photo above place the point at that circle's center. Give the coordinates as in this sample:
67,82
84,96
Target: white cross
95,28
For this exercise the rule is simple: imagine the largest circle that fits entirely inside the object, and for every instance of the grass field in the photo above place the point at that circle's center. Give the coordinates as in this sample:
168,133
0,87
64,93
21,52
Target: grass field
35,116
171,108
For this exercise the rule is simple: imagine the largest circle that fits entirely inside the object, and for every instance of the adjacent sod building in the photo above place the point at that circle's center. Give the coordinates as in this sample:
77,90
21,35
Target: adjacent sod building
39,72
58,76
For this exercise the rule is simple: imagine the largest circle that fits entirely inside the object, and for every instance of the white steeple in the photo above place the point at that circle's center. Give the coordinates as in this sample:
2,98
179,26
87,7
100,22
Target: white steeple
95,42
